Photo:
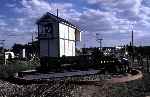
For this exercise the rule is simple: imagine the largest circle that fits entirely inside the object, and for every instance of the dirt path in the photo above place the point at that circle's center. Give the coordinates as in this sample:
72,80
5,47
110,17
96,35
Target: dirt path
136,88
127,78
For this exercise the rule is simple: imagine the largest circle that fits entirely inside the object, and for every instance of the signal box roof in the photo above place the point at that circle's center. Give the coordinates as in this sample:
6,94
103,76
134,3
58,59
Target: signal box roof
47,16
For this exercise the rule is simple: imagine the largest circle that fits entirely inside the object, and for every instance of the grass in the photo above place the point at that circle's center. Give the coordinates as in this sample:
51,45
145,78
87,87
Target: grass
9,69
136,88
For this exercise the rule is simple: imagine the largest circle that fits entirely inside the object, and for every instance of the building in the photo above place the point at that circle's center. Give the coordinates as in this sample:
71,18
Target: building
57,37
105,50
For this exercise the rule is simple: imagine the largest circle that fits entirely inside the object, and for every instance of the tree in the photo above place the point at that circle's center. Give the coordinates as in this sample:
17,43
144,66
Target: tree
17,48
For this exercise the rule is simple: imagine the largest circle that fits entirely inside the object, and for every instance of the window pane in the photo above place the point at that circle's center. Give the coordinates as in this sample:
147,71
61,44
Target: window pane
71,33
61,47
61,30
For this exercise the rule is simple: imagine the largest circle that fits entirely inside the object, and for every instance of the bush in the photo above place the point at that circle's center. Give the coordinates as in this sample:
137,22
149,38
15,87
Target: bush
13,67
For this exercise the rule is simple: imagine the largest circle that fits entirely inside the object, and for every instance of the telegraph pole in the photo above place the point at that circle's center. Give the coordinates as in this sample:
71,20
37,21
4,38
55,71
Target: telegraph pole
3,44
132,39
57,12
3,52
132,44
99,40
84,41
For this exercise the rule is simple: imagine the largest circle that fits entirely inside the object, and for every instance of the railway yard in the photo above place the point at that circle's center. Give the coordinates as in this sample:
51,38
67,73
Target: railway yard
53,65
136,88
74,48
73,83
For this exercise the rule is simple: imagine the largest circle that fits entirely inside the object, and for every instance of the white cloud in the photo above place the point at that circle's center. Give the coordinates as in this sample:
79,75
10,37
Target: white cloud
28,12
10,5
91,20
36,8
2,23
98,1
125,12
112,18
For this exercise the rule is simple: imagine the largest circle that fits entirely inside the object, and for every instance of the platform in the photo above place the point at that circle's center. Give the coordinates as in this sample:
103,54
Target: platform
79,77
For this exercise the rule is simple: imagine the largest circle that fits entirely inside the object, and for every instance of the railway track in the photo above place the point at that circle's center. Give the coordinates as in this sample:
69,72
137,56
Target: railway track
65,79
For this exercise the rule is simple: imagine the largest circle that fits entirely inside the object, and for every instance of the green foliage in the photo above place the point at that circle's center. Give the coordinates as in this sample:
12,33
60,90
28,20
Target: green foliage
1,59
12,67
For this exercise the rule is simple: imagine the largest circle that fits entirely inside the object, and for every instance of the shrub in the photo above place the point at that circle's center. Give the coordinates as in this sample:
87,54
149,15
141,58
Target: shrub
14,66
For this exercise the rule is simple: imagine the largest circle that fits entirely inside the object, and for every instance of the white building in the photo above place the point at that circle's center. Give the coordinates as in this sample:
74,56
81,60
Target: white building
57,37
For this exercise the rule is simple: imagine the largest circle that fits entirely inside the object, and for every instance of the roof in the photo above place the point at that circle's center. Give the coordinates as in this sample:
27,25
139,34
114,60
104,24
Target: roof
57,19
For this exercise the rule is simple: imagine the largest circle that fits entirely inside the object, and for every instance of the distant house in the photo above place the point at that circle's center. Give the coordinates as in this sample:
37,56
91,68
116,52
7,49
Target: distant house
57,37
106,50
27,50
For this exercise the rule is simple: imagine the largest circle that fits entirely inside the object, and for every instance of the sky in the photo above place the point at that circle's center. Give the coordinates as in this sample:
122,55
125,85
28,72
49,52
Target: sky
112,19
